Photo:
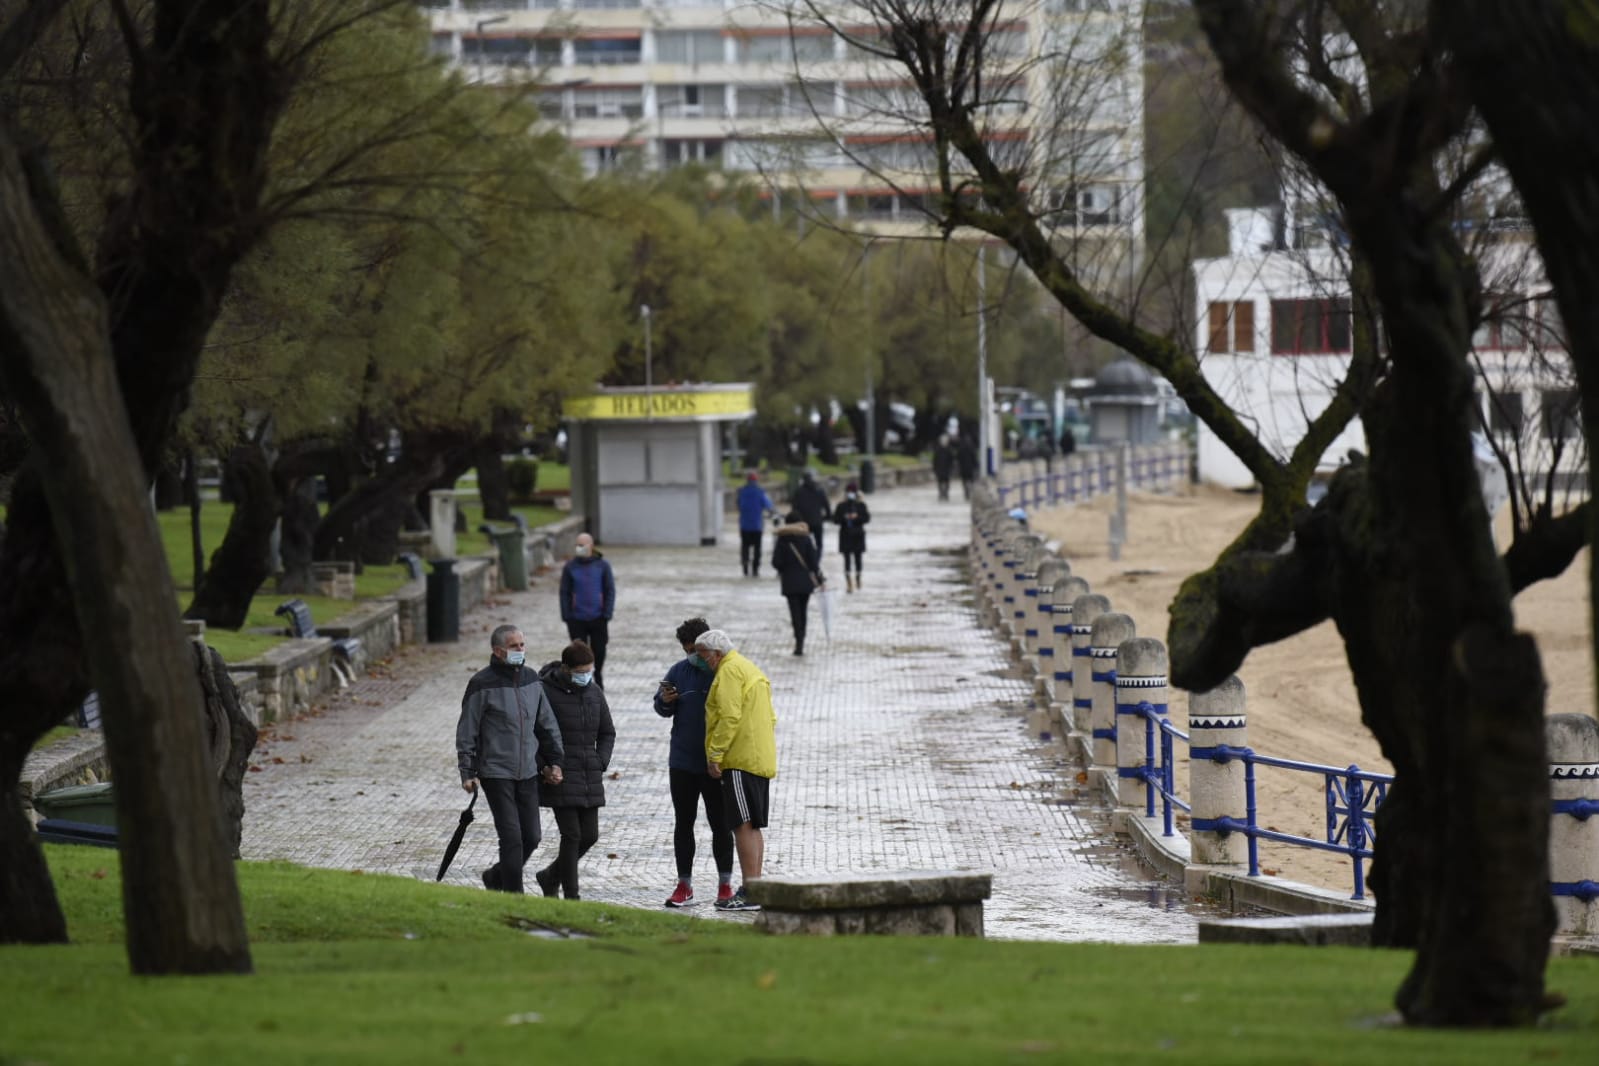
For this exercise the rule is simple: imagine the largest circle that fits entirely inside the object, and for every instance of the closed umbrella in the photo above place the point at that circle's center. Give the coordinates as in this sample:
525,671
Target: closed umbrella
824,596
460,831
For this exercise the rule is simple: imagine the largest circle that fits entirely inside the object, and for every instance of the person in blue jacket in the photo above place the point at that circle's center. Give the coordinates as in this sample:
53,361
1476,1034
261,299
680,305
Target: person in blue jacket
588,597
681,697
753,507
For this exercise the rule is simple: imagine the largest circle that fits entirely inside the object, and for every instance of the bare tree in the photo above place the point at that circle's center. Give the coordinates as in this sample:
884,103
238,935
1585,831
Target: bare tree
1399,553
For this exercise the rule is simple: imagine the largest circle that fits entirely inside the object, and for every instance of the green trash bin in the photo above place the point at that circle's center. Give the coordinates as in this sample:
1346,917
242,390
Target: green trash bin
94,804
513,557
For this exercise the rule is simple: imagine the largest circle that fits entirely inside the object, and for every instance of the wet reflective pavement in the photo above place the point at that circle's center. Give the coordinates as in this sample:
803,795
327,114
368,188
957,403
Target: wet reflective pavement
903,744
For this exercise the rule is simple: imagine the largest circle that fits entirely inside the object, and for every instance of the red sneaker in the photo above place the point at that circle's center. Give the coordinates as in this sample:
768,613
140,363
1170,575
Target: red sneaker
682,896
723,894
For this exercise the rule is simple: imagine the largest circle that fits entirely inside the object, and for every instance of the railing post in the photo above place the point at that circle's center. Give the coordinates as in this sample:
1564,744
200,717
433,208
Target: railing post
1573,741
1217,724
1108,633
1085,609
1140,678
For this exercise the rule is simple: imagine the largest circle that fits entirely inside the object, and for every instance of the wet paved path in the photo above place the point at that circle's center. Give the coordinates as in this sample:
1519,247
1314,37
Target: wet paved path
902,744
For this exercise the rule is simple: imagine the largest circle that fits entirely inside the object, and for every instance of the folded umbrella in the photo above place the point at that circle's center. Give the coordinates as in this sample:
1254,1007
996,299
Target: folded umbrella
824,597
460,831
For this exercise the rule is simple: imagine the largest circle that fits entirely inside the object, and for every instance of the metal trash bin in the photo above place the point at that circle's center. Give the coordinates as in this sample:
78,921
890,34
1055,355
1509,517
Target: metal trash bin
868,476
444,602
92,804
513,556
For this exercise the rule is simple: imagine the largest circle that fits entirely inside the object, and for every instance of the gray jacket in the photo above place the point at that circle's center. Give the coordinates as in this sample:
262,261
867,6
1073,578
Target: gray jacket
507,727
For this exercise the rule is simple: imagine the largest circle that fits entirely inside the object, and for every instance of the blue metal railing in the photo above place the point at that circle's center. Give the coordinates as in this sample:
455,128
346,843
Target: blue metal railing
1086,479
1351,804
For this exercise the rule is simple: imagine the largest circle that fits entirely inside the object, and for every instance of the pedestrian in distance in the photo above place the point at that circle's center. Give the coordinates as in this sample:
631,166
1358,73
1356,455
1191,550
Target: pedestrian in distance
753,507
1068,441
740,752
798,566
588,737
588,598
852,515
943,464
506,740
681,697
810,500
967,458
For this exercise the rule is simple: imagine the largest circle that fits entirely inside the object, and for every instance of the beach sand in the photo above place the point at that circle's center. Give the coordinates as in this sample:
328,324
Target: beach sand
1300,698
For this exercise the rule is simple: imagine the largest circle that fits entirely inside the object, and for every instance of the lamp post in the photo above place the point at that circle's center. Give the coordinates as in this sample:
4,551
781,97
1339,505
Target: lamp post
481,23
984,441
649,370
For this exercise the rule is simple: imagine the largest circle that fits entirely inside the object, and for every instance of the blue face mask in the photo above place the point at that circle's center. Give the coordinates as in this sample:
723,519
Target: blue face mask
699,663
516,657
583,678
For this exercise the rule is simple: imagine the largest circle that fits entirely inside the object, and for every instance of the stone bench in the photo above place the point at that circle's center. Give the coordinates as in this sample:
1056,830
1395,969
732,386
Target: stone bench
1309,930
895,904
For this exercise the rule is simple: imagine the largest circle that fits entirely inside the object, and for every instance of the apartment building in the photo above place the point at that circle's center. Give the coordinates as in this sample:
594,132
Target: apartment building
742,87
1275,336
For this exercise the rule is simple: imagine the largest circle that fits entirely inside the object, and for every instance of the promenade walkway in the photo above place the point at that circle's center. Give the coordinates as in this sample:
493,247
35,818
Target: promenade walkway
902,744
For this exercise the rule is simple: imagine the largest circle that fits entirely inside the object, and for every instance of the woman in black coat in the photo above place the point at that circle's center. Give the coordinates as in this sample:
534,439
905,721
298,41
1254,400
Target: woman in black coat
852,516
798,566
588,736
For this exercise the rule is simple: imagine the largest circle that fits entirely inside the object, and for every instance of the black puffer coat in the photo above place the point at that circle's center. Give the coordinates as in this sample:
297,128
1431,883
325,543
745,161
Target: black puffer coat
587,735
794,558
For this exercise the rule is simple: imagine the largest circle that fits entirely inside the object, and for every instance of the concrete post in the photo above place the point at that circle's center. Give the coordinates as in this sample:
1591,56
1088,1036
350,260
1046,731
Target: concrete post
1018,579
1140,678
1059,671
1024,617
441,521
1086,609
1106,635
1040,635
1574,827
1216,789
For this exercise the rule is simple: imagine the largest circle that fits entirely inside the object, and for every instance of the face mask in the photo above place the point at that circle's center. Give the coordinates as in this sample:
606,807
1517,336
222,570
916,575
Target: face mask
516,657
582,550
851,495
699,663
583,678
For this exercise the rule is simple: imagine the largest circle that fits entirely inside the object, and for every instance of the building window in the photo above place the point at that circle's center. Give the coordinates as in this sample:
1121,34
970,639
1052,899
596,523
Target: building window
499,51
608,103
1505,414
1232,327
1504,324
676,153
688,46
1560,414
606,51
1310,327
691,101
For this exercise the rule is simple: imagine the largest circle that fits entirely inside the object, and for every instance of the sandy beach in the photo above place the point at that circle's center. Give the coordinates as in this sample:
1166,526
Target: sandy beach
1301,700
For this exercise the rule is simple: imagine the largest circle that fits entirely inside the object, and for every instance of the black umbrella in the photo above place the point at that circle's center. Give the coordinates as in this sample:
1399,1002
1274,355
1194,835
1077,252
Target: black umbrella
460,831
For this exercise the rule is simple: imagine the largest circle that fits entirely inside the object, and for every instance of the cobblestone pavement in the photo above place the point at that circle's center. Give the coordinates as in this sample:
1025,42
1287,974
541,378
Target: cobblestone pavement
902,744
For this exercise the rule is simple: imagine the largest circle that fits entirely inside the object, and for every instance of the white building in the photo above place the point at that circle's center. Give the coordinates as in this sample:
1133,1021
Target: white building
738,86
1274,333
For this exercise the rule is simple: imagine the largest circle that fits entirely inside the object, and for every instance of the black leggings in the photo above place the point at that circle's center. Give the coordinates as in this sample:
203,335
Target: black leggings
689,792
797,606
856,556
580,828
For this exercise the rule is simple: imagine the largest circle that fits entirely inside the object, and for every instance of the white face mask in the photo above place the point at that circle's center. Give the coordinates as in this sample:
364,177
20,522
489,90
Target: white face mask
583,678
851,495
582,549
516,657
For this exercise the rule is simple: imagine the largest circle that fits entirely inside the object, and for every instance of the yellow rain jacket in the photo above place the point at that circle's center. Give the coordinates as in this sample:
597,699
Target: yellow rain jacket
740,725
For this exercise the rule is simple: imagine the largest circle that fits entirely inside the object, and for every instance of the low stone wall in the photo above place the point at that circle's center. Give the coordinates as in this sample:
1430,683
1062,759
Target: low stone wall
902,904
289,677
480,579
75,760
411,611
375,624
547,545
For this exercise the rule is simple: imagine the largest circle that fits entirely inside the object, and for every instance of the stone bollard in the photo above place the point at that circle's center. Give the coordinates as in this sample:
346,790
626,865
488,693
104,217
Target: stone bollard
1140,678
1216,720
1574,827
1062,597
441,521
1107,634
1019,578
1086,609
1025,616
1040,635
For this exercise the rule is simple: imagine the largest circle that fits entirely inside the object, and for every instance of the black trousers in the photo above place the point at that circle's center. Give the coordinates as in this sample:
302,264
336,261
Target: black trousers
596,633
690,791
817,534
797,610
580,828
749,551
852,557
515,806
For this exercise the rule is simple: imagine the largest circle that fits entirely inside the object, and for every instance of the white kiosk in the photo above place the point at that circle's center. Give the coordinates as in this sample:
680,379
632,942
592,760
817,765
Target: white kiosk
647,462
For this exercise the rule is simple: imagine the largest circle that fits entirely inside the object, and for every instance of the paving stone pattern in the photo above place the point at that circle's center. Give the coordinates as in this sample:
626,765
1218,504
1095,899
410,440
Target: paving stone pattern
902,744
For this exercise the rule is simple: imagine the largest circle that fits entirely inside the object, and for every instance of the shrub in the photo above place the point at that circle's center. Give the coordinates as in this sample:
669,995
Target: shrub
522,478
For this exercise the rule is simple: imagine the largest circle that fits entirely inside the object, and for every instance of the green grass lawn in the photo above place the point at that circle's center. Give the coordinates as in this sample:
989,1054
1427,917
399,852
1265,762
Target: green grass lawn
362,968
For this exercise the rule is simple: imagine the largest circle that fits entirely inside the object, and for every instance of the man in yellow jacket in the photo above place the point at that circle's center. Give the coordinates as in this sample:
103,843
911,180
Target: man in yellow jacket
740,751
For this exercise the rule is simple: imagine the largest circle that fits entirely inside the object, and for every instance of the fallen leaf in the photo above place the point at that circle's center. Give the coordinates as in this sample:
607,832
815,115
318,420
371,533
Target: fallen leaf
1268,871
767,981
277,760
613,855
98,875
255,768
1082,777
616,775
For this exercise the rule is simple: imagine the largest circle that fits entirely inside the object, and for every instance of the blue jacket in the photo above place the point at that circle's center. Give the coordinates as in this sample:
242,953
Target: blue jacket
687,715
588,591
753,507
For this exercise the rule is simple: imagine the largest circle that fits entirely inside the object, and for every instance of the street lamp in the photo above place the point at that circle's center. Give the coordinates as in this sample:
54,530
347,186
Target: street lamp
481,23
649,371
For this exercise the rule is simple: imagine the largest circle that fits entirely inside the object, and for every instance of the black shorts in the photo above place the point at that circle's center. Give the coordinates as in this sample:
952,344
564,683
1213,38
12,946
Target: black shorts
747,797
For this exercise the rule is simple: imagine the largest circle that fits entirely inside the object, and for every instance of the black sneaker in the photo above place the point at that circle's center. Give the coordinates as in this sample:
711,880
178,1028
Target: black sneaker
547,883
737,902
491,879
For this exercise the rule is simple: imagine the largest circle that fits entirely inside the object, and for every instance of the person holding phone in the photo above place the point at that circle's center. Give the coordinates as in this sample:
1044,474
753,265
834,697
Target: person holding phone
681,697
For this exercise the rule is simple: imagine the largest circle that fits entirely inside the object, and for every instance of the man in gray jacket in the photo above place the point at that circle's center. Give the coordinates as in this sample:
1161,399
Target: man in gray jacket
506,740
